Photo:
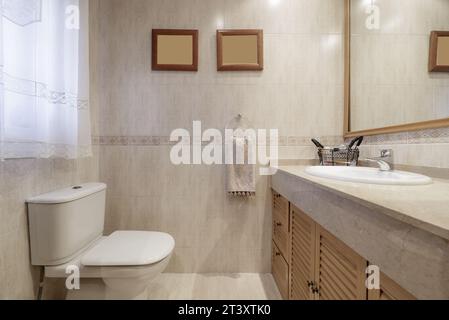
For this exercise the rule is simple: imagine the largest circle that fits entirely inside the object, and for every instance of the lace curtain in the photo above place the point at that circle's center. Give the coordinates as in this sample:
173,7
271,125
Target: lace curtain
44,79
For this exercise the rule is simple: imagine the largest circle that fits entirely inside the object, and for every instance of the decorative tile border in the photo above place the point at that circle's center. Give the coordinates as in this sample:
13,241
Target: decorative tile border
130,141
284,141
430,136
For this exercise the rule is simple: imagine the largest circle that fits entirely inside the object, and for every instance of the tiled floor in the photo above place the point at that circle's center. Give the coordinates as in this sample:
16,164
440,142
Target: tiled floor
184,286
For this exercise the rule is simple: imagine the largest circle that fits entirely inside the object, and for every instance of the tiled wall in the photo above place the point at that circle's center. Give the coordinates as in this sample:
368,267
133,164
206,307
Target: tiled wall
425,148
20,180
300,92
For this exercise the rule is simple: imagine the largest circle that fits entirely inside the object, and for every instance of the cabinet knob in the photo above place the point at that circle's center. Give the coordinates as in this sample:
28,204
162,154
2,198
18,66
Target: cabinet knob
278,224
309,284
278,254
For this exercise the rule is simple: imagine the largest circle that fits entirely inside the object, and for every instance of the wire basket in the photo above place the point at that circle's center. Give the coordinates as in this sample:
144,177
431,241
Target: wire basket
338,156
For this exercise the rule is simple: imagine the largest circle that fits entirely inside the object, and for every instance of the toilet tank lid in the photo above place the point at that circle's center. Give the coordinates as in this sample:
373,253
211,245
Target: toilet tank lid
68,194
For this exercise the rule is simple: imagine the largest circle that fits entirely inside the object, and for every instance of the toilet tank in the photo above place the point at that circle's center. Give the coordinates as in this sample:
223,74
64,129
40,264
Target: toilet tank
65,222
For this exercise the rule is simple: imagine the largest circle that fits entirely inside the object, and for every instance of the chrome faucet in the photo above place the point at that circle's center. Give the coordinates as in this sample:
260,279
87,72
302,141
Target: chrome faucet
385,161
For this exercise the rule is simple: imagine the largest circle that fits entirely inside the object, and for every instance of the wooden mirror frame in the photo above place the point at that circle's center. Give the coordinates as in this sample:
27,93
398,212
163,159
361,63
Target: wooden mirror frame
240,67
432,124
174,67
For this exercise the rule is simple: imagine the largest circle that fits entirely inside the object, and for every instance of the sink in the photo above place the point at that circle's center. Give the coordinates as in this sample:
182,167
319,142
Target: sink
369,175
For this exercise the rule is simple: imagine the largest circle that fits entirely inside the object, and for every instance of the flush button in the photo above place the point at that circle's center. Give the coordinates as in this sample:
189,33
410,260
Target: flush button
77,188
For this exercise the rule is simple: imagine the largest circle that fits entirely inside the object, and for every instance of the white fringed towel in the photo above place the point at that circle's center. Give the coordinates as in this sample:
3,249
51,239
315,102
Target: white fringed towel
241,178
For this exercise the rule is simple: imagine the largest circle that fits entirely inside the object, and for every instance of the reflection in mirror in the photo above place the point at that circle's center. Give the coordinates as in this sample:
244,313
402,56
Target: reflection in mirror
390,85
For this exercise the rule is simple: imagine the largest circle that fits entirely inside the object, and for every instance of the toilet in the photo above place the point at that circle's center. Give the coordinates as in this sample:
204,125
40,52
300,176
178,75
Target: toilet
66,238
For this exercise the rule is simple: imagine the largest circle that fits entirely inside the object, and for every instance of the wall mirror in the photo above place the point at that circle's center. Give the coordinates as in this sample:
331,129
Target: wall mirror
388,86
175,50
239,50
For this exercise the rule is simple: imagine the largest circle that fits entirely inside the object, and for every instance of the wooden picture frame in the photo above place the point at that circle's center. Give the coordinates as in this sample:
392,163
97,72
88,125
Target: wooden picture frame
175,50
435,46
228,56
348,132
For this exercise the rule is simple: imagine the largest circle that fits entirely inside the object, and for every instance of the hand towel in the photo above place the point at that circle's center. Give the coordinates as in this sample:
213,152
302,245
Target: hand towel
241,178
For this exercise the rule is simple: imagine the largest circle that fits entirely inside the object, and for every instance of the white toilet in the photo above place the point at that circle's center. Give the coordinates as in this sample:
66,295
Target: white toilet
66,231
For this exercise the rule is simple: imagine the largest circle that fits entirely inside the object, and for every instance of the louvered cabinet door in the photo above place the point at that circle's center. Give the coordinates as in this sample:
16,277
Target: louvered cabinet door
281,224
389,290
302,263
280,271
340,272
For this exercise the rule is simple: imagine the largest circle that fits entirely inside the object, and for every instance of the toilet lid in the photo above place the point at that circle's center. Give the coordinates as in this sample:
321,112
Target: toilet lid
130,248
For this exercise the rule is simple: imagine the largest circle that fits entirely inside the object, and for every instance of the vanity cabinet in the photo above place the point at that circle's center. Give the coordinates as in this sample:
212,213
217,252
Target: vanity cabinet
309,263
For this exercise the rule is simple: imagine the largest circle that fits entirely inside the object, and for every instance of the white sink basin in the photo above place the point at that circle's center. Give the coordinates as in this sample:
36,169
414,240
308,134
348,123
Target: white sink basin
369,175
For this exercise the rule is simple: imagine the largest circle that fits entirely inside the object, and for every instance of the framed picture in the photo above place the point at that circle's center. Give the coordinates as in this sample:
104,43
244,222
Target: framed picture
175,50
240,50
439,51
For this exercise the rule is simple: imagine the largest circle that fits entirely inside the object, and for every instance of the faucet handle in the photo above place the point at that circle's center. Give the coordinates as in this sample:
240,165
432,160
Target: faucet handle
386,153
385,161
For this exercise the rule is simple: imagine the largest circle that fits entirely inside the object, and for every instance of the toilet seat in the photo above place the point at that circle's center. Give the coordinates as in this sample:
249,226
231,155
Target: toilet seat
129,249
115,265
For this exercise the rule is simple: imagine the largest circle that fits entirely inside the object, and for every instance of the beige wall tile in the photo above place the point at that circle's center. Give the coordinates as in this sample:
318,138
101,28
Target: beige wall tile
18,278
300,92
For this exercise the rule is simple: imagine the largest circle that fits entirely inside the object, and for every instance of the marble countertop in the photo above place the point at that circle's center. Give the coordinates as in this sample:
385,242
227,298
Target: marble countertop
425,207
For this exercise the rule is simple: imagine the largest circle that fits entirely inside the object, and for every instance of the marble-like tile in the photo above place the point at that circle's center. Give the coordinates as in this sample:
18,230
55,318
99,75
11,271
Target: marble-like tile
286,16
441,101
13,214
18,278
214,287
402,16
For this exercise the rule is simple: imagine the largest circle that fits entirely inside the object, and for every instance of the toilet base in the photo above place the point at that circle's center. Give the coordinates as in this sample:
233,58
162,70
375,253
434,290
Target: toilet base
117,283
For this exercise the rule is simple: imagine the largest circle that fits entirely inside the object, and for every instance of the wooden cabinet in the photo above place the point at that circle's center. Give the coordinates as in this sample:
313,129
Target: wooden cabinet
281,224
340,273
280,272
281,244
389,290
302,273
309,263
322,267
